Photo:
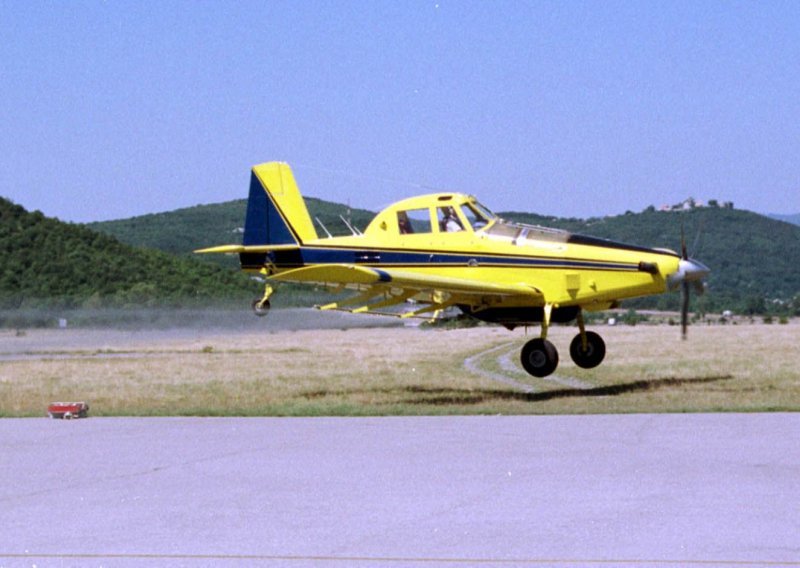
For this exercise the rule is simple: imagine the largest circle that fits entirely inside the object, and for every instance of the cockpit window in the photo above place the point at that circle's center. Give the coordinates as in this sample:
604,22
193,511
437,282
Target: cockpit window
448,220
485,211
414,221
477,215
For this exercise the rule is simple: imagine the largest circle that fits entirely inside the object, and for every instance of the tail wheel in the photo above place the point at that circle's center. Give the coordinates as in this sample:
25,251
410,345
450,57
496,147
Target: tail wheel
260,307
539,357
594,353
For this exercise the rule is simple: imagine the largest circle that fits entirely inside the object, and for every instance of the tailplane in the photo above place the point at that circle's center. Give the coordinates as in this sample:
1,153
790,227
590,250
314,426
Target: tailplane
277,224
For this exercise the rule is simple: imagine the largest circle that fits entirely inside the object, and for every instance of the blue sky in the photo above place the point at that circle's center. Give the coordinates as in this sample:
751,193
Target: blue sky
114,109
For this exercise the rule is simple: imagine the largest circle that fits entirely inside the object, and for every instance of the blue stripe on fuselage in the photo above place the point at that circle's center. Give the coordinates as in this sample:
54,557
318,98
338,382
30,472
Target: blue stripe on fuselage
387,258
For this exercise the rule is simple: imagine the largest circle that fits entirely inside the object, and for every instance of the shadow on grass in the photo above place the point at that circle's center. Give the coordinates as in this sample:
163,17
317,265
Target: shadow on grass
444,396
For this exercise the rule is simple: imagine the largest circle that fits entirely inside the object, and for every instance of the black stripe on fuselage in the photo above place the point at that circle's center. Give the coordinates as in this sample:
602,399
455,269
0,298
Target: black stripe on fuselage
576,239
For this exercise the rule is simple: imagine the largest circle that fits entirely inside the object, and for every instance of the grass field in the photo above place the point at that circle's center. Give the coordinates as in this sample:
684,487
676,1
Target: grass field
396,371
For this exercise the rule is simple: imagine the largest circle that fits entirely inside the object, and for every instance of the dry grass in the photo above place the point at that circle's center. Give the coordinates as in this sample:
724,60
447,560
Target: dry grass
395,371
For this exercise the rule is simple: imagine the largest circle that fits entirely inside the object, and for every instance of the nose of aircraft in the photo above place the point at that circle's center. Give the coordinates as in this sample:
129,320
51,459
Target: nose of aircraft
689,270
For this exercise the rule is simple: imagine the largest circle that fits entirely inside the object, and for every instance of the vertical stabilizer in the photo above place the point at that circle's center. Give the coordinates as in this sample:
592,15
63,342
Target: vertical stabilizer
276,212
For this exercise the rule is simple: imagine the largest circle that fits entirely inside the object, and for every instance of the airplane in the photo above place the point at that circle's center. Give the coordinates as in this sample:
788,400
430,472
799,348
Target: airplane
446,249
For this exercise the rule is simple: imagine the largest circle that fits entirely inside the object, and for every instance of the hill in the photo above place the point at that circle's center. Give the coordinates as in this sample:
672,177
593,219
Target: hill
44,260
184,230
753,258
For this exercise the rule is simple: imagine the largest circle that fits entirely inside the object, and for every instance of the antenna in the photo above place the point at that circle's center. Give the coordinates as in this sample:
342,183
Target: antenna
327,232
353,230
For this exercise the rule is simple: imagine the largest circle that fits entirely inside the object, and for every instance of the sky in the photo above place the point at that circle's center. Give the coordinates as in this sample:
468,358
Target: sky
115,109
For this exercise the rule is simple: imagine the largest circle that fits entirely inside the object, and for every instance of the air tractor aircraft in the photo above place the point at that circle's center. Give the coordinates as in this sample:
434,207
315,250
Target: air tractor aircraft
446,249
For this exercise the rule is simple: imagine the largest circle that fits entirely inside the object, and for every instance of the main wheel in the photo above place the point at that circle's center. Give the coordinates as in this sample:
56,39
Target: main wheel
260,308
539,357
594,353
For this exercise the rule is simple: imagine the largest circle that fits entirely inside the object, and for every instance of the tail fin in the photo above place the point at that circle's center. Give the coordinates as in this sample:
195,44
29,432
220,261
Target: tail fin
276,212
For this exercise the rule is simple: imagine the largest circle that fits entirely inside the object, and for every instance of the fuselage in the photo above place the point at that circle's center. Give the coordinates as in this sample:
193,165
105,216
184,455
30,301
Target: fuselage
453,235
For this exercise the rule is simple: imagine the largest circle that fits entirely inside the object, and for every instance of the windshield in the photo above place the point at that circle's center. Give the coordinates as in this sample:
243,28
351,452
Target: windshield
477,215
520,232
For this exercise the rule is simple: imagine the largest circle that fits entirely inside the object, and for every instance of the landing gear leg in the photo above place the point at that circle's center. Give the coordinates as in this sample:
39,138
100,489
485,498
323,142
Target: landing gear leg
261,305
587,348
539,357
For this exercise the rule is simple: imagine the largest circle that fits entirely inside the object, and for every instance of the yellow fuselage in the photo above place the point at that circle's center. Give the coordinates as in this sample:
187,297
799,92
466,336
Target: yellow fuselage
590,273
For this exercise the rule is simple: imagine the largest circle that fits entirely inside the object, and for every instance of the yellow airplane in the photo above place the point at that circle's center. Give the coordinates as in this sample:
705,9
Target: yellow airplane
446,249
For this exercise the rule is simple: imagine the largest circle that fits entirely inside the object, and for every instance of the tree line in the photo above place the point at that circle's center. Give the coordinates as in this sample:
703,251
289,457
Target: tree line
44,261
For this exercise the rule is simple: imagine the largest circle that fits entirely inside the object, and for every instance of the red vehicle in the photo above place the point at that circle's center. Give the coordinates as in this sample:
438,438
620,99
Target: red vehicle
68,410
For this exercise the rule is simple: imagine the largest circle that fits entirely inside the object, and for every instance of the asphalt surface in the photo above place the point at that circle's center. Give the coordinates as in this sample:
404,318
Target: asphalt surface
633,490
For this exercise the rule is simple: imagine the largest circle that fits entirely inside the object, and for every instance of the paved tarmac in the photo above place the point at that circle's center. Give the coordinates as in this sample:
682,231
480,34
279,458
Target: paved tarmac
632,490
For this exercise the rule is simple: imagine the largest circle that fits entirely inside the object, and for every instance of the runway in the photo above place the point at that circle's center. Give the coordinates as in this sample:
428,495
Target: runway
623,490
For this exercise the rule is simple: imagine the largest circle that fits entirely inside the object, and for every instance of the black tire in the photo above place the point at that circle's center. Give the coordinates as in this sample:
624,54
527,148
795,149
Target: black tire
594,354
539,357
260,308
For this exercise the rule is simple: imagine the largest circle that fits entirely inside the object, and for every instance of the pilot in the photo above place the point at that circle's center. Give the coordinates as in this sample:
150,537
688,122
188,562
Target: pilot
403,223
449,222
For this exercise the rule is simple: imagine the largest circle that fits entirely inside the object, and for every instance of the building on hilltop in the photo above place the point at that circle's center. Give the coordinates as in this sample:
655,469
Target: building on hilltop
691,203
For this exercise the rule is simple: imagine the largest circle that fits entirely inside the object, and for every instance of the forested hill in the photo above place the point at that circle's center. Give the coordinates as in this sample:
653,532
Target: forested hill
46,260
183,230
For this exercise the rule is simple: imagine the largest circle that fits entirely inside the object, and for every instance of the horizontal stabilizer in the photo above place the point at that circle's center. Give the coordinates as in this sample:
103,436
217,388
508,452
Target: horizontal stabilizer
331,274
233,249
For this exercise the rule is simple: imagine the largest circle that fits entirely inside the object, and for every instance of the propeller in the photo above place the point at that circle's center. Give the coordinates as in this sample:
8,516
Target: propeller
690,272
684,290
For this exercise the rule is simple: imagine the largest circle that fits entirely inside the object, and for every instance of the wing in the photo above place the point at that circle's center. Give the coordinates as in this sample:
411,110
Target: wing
397,286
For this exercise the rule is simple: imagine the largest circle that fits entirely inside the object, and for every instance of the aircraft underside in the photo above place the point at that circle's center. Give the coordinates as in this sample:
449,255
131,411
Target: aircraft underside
512,318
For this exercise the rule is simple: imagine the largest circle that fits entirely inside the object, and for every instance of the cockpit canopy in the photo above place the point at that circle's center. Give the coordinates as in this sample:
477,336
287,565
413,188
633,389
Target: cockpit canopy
443,219
455,213
435,213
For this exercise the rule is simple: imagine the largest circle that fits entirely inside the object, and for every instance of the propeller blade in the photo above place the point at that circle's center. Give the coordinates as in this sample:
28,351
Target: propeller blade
684,308
684,252
698,238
